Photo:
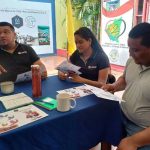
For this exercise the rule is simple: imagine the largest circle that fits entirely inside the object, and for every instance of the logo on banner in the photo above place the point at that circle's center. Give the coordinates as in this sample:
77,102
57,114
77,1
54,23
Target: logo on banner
114,55
17,21
115,28
30,21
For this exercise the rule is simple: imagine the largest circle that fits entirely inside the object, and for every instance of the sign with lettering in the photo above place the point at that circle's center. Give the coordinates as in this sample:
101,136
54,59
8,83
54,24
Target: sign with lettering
33,25
116,23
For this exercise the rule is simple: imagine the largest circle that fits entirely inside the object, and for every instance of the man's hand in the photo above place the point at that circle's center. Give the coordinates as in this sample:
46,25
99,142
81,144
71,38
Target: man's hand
109,87
127,144
44,74
2,70
119,85
42,68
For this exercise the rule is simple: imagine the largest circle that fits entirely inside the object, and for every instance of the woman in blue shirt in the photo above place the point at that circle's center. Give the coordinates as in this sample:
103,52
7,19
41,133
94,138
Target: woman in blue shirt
90,57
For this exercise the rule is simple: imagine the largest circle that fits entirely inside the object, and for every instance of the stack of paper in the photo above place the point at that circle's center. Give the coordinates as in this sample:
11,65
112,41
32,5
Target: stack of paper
16,100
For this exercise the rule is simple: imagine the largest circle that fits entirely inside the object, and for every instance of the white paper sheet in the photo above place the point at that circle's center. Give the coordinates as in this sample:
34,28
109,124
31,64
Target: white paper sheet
66,67
27,76
77,92
18,117
103,94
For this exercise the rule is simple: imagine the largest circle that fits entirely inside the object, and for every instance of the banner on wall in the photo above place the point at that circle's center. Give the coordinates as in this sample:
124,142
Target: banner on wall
32,21
116,22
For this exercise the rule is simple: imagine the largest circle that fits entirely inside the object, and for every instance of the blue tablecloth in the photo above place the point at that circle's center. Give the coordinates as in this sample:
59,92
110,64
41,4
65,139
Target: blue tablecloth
91,121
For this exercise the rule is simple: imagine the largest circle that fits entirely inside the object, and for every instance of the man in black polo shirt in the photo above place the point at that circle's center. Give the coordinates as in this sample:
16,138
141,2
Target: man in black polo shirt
15,58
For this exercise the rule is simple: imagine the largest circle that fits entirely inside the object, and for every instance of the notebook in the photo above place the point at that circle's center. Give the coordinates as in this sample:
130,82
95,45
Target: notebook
15,100
47,103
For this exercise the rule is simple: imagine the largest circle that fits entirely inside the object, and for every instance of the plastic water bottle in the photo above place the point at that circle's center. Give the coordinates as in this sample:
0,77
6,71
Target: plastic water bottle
36,81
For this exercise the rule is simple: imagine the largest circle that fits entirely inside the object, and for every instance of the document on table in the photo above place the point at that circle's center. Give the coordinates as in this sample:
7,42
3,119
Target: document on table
77,92
18,117
15,100
103,94
67,67
26,76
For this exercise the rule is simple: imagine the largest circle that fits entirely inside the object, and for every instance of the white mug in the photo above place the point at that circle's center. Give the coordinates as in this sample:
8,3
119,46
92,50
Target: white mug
64,102
7,87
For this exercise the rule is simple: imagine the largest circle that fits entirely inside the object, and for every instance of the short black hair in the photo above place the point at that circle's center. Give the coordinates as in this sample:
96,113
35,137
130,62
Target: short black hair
7,24
87,34
141,30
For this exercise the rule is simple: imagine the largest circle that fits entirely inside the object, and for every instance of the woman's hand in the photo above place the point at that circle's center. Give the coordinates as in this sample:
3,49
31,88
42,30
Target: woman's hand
76,78
62,75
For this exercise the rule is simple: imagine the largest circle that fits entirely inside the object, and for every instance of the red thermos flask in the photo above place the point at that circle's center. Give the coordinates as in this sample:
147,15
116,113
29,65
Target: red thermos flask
36,81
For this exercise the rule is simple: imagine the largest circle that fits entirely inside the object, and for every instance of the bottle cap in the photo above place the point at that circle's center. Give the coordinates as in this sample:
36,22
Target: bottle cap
35,66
